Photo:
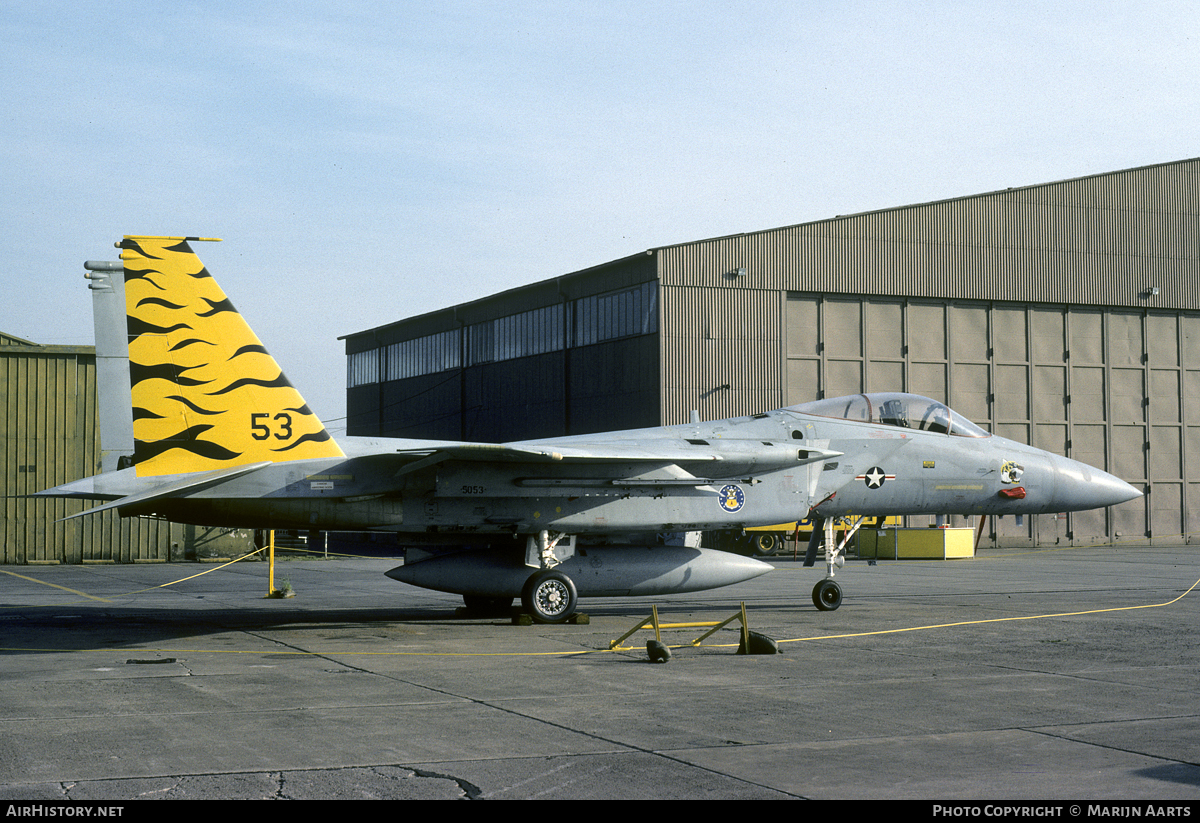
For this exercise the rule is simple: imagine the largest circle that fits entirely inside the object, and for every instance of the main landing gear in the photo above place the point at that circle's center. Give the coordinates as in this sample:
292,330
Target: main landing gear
548,596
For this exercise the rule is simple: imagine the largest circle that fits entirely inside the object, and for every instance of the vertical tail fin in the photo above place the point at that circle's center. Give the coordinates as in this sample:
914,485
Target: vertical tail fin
112,363
206,393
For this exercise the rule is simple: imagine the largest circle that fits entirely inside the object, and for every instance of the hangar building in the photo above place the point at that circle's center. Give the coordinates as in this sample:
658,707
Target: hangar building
1065,315
49,435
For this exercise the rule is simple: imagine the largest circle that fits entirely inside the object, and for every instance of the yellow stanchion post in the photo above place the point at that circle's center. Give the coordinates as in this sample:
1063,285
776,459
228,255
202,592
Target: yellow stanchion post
271,592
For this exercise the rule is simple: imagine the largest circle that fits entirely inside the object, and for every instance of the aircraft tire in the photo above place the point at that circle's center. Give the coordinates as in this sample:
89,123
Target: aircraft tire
827,595
549,596
765,543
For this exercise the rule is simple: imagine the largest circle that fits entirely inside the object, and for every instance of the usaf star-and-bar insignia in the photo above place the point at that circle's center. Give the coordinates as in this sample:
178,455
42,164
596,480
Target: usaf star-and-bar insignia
874,477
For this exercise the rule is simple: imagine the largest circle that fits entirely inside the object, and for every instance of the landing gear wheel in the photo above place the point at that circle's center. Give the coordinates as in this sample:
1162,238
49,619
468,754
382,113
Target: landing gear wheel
765,544
549,596
827,595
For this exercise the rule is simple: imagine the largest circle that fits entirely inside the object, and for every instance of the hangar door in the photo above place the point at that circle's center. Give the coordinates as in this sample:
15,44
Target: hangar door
1107,387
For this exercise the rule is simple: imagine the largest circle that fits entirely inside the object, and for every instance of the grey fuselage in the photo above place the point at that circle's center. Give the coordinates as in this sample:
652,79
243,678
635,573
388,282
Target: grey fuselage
748,471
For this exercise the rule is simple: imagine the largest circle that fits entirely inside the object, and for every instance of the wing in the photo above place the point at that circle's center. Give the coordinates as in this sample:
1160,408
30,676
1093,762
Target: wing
703,461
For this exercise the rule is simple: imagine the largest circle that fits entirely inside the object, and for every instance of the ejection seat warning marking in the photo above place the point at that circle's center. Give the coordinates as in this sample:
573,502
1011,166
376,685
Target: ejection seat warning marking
874,477
731,498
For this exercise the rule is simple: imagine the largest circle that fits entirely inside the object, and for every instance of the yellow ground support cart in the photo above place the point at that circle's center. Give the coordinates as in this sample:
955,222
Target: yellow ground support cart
764,541
909,544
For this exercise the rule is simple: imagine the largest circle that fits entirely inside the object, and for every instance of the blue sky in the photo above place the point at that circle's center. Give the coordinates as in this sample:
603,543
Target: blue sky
368,161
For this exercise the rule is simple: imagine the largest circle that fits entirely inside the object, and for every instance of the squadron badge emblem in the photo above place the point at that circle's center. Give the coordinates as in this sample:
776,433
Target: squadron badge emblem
731,498
1010,472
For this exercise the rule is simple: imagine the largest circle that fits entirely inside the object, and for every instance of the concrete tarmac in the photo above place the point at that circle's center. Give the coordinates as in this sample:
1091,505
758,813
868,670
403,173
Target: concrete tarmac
1021,674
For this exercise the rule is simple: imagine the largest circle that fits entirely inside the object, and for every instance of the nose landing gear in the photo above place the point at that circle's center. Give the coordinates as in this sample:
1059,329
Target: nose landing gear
827,595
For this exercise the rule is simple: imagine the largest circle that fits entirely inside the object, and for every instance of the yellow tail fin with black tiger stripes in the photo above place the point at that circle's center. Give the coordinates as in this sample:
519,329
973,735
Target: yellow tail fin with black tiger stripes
206,393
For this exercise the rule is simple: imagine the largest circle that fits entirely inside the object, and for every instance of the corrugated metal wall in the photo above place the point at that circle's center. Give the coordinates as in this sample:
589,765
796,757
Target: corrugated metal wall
1100,240
48,436
723,346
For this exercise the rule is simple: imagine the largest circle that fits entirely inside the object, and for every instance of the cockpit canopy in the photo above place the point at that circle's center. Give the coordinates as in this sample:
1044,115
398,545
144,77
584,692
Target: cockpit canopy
906,411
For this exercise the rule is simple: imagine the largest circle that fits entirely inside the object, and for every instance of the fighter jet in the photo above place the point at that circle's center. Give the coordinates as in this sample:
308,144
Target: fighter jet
219,437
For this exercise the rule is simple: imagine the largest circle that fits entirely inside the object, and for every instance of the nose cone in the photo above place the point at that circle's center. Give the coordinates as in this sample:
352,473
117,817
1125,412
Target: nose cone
1078,487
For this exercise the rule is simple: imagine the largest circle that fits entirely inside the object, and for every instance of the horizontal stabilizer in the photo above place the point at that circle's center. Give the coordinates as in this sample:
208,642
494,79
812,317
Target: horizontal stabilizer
180,488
